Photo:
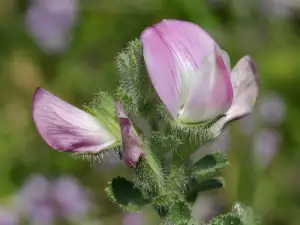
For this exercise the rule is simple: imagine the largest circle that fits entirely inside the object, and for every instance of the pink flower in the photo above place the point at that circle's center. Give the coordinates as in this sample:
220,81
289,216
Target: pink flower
192,76
132,145
66,128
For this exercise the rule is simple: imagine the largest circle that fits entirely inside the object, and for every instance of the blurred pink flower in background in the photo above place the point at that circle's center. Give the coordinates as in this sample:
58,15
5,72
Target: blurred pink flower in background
272,109
206,207
247,124
283,8
132,219
49,23
8,217
266,144
42,201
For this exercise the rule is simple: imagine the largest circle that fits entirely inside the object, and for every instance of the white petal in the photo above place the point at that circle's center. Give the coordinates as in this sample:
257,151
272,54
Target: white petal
245,89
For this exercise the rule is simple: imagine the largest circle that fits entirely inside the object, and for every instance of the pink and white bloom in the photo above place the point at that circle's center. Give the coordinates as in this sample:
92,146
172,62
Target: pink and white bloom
67,128
192,76
132,145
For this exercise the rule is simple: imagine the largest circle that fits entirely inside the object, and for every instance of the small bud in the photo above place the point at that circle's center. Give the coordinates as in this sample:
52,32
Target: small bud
132,144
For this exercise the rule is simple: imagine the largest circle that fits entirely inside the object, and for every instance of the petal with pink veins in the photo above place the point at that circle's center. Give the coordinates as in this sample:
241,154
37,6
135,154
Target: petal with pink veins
210,93
67,128
173,50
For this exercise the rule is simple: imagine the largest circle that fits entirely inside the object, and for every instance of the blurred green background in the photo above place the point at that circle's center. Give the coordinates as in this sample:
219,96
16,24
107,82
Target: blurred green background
69,47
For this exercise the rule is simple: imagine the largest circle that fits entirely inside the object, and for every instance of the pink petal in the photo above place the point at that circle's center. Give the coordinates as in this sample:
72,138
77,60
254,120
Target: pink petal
67,128
244,80
210,93
132,145
173,50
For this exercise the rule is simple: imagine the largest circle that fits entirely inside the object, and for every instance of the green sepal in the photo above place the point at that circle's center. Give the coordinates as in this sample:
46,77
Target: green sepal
98,157
192,131
209,165
103,108
194,187
123,192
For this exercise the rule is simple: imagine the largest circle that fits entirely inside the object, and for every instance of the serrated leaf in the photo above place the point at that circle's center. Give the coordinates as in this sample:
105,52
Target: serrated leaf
125,194
195,186
209,165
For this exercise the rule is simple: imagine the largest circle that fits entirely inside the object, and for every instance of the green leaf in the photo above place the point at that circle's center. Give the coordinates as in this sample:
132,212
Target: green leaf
209,165
125,194
195,186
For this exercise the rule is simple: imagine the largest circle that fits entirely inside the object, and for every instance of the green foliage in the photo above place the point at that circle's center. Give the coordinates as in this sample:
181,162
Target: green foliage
246,214
194,187
209,165
133,82
125,194
148,174
166,141
240,215
85,66
177,179
179,214
227,219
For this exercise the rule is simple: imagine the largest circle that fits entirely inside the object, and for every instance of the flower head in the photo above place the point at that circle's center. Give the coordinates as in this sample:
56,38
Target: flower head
192,76
188,70
67,128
